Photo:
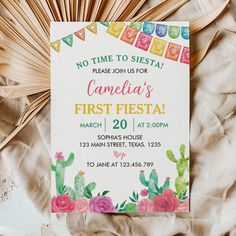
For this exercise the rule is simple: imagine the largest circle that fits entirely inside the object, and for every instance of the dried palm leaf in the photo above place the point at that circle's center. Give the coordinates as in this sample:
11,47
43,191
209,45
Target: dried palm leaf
25,46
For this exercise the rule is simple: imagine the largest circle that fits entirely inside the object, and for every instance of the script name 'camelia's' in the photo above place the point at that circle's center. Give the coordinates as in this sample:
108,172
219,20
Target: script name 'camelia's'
126,88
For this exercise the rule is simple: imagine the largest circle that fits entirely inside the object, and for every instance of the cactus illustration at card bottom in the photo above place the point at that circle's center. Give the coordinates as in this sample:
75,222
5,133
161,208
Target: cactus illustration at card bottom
181,184
152,184
59,170
79,184
80,189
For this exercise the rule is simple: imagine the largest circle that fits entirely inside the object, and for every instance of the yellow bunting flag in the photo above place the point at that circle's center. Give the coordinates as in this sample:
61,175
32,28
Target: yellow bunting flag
158,46
56,45
80,34
92,28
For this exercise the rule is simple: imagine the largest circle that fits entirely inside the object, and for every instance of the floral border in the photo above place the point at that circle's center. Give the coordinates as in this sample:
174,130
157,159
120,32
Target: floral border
152,198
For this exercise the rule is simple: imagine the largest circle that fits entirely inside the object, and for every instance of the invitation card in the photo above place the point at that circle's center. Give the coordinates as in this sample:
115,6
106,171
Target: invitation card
120,116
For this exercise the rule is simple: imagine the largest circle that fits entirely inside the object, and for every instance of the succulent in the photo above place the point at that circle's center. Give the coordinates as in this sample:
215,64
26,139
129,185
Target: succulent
130,207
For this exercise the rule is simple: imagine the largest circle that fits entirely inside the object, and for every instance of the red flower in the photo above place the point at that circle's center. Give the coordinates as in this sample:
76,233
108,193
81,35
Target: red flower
166,202
62,203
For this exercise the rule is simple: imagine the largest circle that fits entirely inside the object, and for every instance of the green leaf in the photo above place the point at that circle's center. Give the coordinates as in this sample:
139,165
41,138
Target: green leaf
98,194
91,186
105,192
121,210
134,195
122,204
88,193
132,199
117,205
185,193
161,189
53,167
157,189
62,190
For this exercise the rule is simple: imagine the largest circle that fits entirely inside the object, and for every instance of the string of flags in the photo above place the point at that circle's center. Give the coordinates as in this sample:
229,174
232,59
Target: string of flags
56,45
142,35
161,30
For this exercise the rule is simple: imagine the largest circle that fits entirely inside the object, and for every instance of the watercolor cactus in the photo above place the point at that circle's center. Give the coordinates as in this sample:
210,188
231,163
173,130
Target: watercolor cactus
59,170
152,198
152,184
80,189
79,184
181,183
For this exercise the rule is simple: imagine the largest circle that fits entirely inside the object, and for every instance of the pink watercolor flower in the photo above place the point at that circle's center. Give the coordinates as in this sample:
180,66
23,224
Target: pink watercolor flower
101,204
166,202
62,203
59,155
144,192
145,205
81,205
184,206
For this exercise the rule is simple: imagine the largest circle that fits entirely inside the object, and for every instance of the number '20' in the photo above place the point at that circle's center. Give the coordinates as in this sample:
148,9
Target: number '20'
119,124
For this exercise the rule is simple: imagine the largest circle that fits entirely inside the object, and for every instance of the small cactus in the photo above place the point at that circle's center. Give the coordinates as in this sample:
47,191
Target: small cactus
152,184
80,189
181,183
59,170
79,184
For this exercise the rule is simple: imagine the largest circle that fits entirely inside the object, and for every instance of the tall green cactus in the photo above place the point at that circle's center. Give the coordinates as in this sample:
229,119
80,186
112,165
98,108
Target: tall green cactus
181,183
59,170
152,184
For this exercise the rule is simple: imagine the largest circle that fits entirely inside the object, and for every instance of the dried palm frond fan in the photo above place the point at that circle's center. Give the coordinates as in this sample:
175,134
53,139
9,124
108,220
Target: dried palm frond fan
25,45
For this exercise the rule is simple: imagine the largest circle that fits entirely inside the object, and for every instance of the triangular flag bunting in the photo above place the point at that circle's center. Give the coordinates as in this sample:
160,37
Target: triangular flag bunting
56,45
80,34
92,27
105,23
68,40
